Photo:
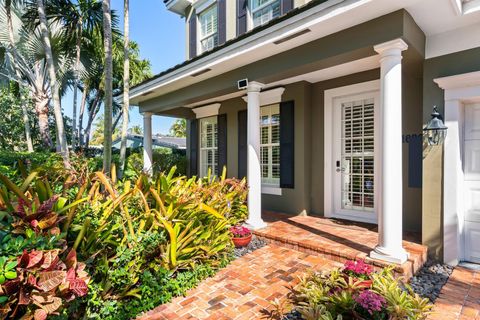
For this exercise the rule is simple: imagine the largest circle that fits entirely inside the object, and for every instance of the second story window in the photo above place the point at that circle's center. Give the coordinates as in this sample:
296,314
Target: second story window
264,10
208,28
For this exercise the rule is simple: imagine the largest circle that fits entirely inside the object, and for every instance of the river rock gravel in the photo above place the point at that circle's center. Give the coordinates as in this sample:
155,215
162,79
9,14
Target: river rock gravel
255,244
429,280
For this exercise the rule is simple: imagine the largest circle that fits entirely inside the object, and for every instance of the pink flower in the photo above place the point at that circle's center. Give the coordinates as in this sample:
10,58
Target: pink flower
240,231
370,301
358,268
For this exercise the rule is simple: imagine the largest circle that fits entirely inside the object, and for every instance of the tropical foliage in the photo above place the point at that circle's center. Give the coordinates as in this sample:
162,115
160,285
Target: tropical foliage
357,292
76,243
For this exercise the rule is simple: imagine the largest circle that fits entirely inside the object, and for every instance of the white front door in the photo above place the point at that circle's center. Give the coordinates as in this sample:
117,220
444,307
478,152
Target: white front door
472,183
354,164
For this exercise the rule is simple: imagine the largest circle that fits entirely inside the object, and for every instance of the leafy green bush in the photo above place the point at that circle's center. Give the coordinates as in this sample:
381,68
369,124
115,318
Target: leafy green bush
143,240
357,292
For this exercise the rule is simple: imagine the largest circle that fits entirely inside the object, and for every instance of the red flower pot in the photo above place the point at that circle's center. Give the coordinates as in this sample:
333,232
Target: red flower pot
242,242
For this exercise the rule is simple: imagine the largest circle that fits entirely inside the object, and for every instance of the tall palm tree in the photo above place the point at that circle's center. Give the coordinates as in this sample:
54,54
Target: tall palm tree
107,35
30,61
126,85
54,88
11,38
80,19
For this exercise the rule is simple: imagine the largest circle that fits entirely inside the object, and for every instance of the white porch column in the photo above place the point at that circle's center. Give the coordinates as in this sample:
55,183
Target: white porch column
389,195
254,177
147,142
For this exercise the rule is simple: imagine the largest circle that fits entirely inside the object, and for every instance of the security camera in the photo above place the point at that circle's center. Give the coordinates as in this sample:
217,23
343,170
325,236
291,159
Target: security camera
242,84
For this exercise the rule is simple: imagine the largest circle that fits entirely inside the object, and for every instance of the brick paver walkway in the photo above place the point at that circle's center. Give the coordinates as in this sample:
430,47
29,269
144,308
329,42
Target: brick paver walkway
336,240
245,288
460,297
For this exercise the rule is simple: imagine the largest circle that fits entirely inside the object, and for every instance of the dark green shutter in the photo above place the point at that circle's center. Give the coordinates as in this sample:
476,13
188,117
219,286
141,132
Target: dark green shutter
222,22
222,142
192,35
242,144
194,140
287,144
287,5
241,16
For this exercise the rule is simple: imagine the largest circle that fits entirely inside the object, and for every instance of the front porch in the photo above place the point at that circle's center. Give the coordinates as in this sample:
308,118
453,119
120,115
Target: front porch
337,240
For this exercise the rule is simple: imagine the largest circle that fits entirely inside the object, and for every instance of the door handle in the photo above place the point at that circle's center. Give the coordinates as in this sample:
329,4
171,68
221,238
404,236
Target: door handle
340,170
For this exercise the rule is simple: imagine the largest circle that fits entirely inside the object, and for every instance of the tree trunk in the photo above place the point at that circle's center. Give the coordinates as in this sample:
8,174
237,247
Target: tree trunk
26,121
75,85
41,108
53,84
126,86
117,120
107,43
80,120
91,117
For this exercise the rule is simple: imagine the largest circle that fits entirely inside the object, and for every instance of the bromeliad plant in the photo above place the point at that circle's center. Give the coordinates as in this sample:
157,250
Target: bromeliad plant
240,231
357,292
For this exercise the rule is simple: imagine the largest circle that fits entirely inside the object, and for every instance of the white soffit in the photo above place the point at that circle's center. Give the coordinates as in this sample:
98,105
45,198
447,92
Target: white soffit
453,41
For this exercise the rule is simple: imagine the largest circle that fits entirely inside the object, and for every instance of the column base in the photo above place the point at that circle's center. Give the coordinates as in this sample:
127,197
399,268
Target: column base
255,224
399,256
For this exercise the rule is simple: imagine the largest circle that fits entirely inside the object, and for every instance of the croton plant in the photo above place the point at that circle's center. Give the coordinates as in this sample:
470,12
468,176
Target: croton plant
42,283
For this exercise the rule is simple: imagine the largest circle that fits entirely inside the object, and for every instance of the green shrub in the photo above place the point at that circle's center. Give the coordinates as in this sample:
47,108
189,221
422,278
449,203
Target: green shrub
143,240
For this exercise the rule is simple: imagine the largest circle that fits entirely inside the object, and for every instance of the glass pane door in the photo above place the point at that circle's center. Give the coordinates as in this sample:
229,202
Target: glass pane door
357,155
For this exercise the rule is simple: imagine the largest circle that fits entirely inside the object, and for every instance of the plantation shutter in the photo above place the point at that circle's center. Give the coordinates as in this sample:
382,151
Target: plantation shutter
193,147
287,144
287,5
222,22
242,144
193,35
241,16
222,142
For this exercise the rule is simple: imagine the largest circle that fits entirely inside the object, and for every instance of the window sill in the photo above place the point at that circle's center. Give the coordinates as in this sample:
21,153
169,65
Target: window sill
276,191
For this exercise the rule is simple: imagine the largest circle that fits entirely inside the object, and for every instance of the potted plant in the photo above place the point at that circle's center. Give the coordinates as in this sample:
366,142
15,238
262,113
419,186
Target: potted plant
241,236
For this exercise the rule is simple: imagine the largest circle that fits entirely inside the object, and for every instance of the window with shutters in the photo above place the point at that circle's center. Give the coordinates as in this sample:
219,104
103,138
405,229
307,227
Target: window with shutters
208,20
270,145
264,10
208,145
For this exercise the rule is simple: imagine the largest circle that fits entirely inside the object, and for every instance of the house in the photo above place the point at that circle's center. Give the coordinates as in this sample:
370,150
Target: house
321,104
158,141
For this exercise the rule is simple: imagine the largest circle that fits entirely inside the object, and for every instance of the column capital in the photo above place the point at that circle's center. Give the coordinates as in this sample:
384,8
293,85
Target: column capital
254,86
146,114
397,46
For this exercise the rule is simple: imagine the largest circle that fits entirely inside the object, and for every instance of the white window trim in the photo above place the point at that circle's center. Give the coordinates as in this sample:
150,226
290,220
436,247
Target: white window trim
330,96
250,12
458,89
215,148
270,146
207,111
276,191
203,5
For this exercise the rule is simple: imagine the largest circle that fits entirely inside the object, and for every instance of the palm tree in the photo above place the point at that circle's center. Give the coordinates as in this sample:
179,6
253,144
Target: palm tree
11,38
80,19
107,36
179,128
126,85
62,138
28,56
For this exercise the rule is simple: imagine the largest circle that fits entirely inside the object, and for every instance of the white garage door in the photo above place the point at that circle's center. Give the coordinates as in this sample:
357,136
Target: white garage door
472,183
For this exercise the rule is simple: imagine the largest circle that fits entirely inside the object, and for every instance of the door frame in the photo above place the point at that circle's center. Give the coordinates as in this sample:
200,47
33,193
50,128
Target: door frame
329,150
459,90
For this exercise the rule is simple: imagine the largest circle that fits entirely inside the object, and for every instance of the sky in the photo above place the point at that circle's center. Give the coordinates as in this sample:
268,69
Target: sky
161,38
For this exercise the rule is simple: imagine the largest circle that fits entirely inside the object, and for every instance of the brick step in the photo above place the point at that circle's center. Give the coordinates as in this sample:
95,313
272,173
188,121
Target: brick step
340,253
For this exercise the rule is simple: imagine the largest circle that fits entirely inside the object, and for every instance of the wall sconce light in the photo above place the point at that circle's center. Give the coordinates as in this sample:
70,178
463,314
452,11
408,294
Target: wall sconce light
435,131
